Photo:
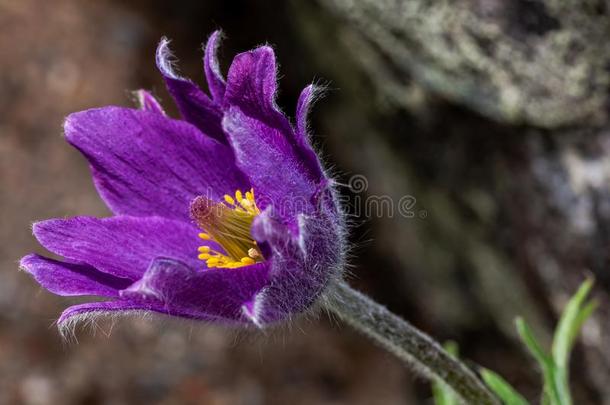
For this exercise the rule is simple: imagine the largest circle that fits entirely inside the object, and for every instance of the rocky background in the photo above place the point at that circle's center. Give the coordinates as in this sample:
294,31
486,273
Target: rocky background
492,116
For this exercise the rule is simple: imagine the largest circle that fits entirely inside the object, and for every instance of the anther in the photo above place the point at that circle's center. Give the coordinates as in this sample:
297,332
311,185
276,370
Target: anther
247,260
229,199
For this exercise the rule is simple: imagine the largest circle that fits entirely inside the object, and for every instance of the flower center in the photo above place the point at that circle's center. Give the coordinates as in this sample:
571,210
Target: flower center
228,224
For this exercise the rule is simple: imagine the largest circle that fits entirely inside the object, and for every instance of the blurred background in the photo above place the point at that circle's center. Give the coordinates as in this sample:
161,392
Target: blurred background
491,115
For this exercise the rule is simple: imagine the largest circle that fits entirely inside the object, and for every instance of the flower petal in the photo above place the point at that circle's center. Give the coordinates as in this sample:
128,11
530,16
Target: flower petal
251,85
147,102
261,150
306,99
211,294
216,83
121,246
91,311
69,279
194,105
146,164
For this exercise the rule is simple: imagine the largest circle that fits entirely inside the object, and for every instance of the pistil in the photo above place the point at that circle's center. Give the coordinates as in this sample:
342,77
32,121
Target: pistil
228,224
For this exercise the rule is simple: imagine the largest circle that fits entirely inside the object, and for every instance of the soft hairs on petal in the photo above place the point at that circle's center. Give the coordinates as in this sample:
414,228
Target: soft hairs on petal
121,246
216,83
91,311
70,279
147,102
146,164
306,99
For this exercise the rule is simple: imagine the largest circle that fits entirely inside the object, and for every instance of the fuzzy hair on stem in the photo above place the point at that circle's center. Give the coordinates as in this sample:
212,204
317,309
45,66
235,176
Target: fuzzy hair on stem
413,347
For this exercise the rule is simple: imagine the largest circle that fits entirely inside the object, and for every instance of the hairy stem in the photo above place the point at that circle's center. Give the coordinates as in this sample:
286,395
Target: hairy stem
416,349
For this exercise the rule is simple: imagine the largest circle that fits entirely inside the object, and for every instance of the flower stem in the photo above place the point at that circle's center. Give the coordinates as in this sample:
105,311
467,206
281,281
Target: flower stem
416,349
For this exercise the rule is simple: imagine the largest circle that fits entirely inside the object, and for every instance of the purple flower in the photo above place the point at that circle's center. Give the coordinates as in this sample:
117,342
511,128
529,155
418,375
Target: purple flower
225,215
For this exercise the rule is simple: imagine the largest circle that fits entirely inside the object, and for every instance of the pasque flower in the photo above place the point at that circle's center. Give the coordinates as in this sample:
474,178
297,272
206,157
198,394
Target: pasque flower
224,215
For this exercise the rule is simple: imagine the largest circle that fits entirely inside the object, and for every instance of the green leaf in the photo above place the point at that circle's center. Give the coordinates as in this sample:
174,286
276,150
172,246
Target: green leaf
502,389
570,323
555,367
583,315
550,393
574,316
527,336
443,395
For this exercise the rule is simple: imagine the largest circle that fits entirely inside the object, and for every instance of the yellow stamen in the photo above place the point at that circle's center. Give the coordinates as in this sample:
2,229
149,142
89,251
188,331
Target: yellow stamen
247,205
229,199
228,224
247,260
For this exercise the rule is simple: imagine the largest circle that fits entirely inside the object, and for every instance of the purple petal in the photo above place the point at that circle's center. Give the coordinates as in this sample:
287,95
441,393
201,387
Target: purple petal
121,246
264,155
306,99
251,85
216,83
147,102
194,105
69,279
212,294
146,164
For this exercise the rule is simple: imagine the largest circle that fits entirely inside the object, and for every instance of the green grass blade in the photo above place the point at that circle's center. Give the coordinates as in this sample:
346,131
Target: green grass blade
573,317
545,362
502,388
443,395
569,326
527,336
583,315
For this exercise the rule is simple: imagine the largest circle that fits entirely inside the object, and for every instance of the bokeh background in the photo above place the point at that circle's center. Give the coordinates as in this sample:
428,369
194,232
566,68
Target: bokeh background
491,114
